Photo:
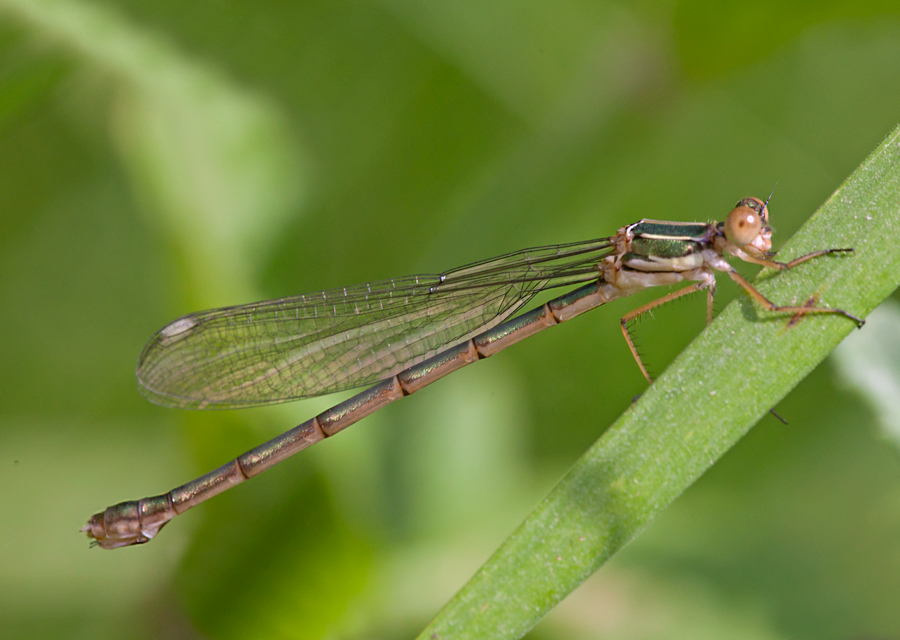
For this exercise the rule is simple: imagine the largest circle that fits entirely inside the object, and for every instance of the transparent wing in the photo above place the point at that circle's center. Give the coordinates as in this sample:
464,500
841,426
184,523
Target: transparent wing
319,343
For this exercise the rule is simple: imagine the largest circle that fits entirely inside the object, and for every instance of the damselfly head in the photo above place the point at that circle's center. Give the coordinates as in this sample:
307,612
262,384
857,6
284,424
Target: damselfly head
747,226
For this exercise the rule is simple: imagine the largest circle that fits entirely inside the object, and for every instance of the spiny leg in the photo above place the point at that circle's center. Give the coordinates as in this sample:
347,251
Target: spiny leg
784,266
710,296
652,305
800,310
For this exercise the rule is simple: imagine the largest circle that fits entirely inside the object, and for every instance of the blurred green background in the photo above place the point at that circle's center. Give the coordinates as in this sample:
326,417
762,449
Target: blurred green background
162,157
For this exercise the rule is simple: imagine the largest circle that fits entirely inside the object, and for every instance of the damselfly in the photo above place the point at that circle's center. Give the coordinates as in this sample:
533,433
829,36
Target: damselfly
404,334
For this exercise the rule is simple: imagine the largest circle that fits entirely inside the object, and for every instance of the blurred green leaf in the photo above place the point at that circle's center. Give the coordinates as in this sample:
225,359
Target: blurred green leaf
714,39
869,362
209,157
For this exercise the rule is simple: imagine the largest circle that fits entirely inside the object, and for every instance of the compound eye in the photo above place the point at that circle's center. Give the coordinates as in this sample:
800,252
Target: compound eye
742,225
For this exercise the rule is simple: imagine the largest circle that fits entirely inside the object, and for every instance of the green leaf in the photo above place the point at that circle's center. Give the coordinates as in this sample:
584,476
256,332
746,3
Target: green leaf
713,393
209,157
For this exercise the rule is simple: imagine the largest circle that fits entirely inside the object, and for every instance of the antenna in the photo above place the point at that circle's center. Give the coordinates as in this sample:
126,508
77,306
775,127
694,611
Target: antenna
766,203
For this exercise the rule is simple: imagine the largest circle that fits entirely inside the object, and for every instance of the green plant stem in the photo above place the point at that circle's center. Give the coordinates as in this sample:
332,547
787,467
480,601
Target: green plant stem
743,364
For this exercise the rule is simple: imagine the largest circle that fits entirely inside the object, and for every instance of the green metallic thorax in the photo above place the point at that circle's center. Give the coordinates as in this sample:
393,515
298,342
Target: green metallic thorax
661,246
